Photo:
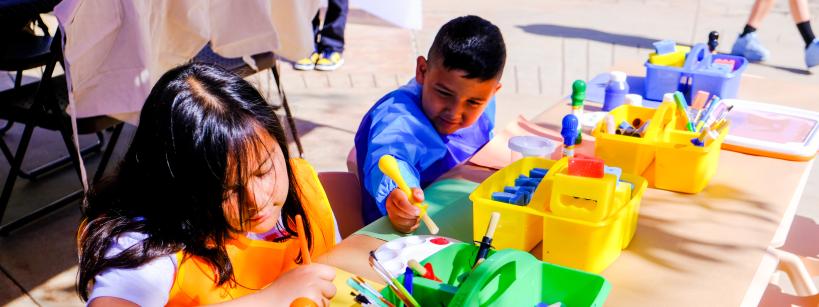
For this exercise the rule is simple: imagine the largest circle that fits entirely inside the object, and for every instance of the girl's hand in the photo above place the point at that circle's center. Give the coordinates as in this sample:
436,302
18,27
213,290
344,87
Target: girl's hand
403,215
314,281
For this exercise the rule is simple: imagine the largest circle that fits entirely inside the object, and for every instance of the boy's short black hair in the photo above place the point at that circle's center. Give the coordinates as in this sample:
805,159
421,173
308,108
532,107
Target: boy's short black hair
471,44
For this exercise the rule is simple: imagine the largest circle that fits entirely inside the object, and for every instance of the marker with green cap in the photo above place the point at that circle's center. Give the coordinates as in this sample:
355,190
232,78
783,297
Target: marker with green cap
578,96
683,106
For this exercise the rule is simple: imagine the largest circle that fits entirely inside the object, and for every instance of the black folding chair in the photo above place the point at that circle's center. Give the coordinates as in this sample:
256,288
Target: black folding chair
22,51
263,61
43,104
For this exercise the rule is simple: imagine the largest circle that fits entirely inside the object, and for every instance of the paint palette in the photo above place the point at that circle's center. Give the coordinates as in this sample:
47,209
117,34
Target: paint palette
395,254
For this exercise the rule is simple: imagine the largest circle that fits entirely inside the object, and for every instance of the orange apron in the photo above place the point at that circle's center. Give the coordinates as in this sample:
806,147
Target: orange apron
256,263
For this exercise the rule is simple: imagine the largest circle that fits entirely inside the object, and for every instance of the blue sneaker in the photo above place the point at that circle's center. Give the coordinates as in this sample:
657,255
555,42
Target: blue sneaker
812,54
748,46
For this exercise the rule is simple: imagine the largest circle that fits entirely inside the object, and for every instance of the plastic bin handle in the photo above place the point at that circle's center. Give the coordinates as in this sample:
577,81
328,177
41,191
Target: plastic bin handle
693,62
558,167
469,292
658,124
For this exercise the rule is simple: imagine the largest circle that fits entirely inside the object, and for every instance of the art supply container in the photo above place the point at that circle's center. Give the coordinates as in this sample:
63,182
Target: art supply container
506,278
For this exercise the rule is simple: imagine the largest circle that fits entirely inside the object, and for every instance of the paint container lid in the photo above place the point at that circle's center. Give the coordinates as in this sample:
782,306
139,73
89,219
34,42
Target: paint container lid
532,146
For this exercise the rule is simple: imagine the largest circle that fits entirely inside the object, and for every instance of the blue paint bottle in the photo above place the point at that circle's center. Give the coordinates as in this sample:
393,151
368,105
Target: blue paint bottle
616,91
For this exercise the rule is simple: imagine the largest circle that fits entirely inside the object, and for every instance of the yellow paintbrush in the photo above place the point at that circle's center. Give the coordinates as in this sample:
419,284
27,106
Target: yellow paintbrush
389,166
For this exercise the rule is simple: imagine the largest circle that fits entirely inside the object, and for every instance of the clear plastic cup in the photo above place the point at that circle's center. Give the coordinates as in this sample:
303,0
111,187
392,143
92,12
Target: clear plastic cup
531,146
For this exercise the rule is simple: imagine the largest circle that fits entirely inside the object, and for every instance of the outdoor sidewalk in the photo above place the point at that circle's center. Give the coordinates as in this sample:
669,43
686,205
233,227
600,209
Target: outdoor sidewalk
549,44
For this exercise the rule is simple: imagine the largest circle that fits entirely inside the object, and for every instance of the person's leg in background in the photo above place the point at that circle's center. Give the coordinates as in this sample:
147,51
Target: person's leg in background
331,36
747,44
309,62
801,16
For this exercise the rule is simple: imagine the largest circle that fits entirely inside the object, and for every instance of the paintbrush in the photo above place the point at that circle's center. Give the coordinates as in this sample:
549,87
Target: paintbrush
396,286
389,166
305,251
364,284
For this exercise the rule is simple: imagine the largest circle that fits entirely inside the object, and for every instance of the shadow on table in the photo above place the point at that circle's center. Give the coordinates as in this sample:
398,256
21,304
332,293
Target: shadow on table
718,191
654,237
652,240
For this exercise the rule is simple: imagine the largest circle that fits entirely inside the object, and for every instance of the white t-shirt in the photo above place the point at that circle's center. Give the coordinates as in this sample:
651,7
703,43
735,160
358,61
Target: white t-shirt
146,285
149,284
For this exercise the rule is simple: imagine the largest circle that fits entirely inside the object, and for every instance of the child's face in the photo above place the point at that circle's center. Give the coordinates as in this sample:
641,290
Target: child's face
449,100
267,186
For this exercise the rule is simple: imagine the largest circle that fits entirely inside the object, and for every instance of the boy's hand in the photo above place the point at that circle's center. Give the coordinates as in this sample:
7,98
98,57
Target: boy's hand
403,215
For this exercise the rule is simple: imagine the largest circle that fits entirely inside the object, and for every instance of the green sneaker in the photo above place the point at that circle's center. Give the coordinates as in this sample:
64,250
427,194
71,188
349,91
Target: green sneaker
329,61
307,63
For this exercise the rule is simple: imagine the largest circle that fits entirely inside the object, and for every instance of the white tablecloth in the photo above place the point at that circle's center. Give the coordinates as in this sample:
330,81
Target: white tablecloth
407,14
115,50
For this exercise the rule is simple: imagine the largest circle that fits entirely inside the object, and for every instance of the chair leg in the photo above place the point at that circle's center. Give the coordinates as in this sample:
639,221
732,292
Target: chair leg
65,200
6,151
290,120
15,168
109,150
53,165
18,81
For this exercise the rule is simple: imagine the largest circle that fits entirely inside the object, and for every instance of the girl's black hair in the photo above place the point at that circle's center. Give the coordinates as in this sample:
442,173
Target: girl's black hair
471,44
197,130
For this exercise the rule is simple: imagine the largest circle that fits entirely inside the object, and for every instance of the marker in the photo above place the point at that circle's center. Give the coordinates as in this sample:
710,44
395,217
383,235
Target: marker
714,102
722,115
486,242
389,166
578,96
682,106
305,250
699,104
718,114
569,133
408,280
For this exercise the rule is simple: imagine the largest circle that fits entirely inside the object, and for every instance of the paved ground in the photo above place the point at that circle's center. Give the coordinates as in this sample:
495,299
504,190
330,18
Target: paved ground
550,43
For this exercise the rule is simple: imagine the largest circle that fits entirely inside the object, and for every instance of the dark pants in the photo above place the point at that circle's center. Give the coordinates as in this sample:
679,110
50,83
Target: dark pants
330,37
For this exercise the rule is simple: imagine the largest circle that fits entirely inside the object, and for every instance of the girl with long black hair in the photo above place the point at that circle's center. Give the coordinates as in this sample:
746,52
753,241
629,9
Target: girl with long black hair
202,208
